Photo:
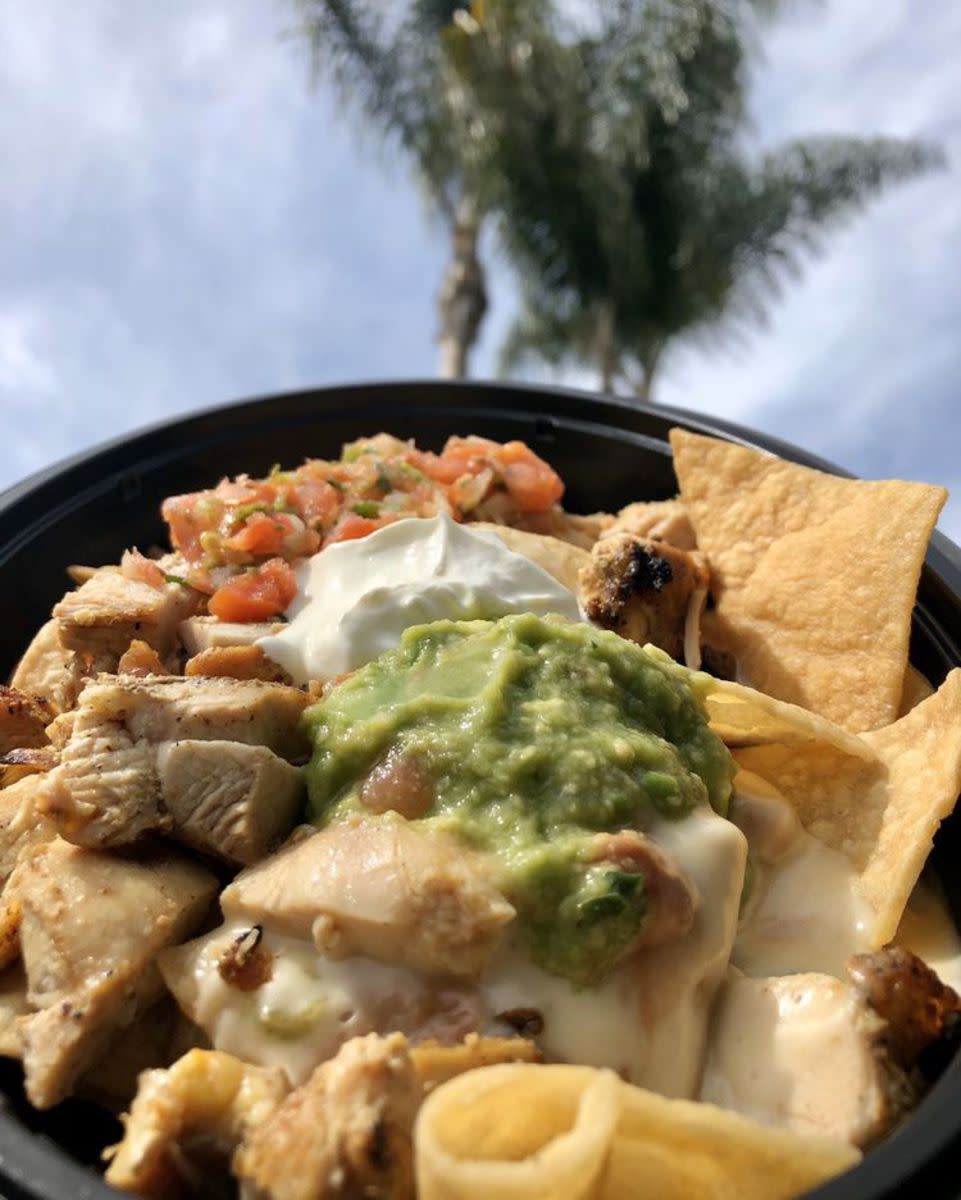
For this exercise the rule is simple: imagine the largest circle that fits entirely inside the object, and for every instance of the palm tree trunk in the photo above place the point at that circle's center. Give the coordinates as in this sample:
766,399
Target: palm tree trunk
649,364
606,348
462,300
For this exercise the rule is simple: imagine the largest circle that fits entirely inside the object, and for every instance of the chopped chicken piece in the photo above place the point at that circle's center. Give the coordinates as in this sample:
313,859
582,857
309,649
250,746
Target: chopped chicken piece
384,889
207,633
21,825
18,764
48,670
109,789
347,1132
80,572
92,925
656,521
804,1052
203,1105
141,660
13,1005
236,662
158,1037
158,710
229,799
21,828
105,614
23,720
908,995
643,590
10,916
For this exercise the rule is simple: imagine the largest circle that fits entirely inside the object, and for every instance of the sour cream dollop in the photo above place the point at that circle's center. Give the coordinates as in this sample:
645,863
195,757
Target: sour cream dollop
355,599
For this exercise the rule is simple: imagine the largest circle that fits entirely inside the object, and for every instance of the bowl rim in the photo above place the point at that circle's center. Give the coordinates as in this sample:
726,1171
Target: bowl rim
35,1166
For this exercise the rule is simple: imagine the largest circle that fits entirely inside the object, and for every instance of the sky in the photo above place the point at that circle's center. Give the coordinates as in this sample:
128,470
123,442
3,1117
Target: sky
185,220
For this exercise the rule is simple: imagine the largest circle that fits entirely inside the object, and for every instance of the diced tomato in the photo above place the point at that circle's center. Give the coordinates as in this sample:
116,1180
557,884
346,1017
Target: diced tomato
255,595
318,502
135,566
350,527
262,533
185,526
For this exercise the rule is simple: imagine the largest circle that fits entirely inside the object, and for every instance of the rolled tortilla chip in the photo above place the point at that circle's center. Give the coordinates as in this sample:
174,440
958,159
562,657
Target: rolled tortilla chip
882,813
526,1132
496,1132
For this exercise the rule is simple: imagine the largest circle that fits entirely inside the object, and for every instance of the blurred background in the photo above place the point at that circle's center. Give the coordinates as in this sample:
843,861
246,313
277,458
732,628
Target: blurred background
748,209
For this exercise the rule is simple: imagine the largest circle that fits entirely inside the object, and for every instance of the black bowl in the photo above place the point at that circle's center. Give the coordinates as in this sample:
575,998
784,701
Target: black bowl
90,508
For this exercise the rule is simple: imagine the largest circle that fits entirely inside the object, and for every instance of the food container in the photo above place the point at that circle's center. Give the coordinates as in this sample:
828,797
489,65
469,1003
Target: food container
91,507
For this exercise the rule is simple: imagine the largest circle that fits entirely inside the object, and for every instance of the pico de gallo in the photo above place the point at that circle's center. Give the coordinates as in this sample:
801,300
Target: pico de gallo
239,539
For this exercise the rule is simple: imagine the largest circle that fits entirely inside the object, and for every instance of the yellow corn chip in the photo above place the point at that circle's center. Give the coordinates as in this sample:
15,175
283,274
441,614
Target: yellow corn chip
881,813
526,1132
816,575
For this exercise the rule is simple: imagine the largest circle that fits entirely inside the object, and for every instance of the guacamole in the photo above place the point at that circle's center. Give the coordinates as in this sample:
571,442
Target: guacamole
529,738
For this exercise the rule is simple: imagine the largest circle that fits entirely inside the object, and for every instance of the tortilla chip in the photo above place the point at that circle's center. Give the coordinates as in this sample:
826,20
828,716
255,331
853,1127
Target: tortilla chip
816,576
914,689
883,814
560,559
523,1132
741,716
658,520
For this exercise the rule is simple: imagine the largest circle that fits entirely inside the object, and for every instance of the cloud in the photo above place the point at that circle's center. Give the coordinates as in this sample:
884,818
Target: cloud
859,359
187,222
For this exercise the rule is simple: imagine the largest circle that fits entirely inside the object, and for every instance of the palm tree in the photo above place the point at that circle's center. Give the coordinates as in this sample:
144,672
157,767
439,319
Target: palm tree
626,198
392,71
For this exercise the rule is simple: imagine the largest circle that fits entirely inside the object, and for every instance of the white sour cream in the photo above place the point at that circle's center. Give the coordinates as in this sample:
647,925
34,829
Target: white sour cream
355,599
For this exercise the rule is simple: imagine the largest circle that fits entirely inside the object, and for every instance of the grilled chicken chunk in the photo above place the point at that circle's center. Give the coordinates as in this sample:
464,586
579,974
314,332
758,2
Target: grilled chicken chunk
643,590
21,825
804,1052
92,925
236,662
23,720
186,1122
229,799
105,614
21,828
383,889
13,1005
141,660
347,1132
118,778
918,1009
198,634
48,670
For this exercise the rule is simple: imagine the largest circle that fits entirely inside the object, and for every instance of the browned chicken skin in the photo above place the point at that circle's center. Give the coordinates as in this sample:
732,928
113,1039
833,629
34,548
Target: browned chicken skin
917,1007
642,589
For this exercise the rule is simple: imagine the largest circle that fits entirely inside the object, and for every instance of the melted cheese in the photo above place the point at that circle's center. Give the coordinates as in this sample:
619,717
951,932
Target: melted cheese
780,1047
803,912
647,1020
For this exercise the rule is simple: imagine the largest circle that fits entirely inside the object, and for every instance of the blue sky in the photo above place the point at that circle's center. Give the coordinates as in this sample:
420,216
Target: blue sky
185,221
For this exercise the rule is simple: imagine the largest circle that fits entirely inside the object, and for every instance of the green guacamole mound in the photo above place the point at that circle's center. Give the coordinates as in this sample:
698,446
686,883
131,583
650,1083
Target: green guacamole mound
534,736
